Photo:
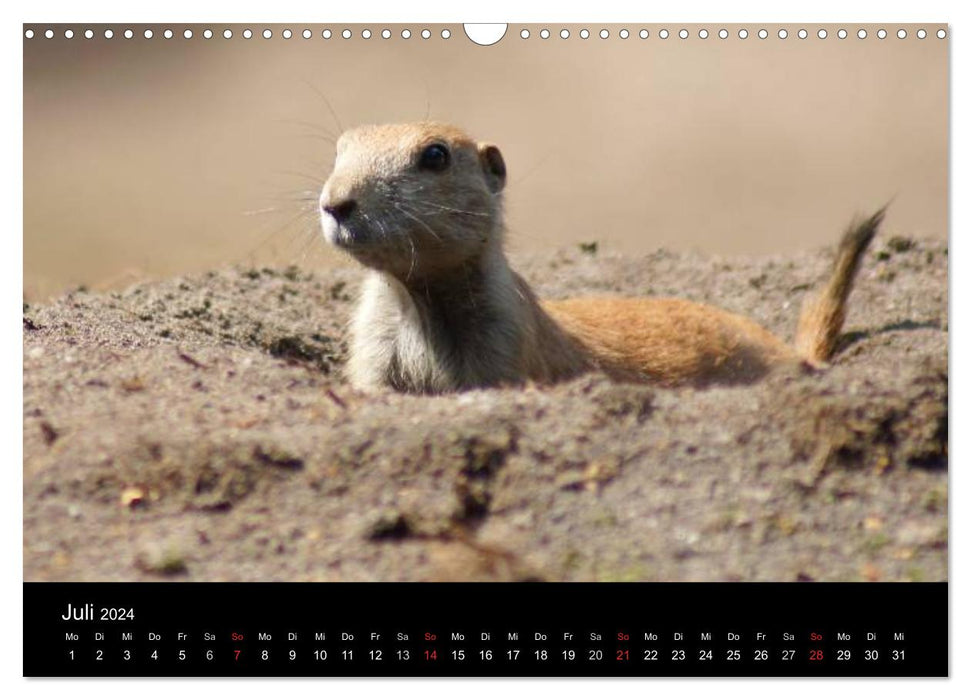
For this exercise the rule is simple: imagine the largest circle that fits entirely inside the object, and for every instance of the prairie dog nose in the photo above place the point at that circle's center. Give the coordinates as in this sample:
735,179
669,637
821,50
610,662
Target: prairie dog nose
341,211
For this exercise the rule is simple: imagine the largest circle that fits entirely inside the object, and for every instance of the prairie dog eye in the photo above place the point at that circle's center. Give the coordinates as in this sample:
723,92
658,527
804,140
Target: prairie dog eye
434,158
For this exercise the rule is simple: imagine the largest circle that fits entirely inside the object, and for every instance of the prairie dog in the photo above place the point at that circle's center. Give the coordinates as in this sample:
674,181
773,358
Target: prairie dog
420,206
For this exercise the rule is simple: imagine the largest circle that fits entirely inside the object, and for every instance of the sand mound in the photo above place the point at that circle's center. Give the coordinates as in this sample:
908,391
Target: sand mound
199,429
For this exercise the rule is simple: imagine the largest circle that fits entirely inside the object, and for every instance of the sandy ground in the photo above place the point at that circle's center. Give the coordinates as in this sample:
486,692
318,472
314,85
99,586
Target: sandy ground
198,429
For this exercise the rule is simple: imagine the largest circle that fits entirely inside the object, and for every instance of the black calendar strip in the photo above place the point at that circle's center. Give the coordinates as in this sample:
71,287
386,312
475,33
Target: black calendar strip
244,629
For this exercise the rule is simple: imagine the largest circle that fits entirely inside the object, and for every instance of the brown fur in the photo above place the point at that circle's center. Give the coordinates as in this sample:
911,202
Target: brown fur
671,341
822,316
442,310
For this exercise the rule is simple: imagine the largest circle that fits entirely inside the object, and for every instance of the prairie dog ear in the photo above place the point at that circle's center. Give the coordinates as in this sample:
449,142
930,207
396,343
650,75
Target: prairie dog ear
493,167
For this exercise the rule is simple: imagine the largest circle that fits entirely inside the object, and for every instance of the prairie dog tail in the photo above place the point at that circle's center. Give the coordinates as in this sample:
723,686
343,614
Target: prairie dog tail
822,315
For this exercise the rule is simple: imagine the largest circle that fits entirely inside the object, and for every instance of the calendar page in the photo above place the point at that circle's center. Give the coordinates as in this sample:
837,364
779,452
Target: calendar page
520,349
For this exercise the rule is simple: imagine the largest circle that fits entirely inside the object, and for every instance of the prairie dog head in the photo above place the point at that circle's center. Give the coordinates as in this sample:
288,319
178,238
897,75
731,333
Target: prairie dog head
413,200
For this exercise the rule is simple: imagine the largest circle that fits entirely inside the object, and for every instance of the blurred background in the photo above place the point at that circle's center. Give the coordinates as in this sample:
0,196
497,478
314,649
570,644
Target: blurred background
150,157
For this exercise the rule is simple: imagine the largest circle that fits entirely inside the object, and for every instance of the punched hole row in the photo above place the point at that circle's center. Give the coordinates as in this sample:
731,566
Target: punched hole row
725,33
229,34
446,33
